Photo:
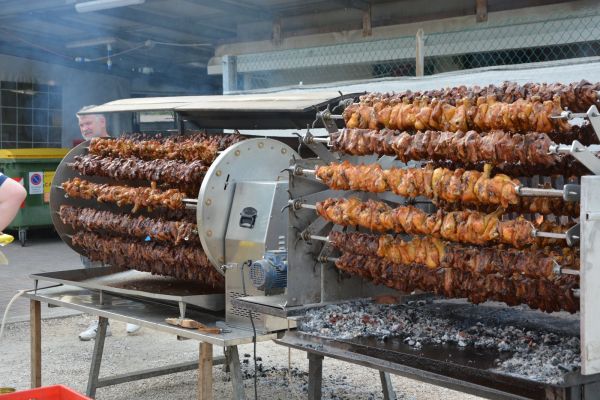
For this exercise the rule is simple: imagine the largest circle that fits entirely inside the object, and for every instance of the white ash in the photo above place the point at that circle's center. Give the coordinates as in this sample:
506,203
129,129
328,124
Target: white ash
538,355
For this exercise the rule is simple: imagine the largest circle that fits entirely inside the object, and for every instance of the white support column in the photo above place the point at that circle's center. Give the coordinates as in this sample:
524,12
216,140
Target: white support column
229,74
420,53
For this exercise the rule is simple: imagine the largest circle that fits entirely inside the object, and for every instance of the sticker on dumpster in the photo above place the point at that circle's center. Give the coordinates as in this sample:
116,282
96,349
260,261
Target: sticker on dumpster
48,177
36,183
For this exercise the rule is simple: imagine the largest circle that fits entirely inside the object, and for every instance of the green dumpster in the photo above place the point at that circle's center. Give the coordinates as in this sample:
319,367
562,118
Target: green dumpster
34,168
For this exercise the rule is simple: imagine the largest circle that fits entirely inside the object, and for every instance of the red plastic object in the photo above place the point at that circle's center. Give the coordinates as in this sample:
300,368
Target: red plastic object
56,392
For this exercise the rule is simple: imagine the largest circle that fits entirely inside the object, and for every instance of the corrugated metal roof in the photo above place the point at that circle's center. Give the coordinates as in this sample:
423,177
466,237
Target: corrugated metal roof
286,102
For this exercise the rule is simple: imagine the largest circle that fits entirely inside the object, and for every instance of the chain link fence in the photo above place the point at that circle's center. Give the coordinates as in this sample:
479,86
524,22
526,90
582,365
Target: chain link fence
518,40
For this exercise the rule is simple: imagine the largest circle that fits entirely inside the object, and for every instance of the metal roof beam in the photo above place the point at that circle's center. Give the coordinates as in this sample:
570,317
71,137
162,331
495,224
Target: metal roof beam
362,5
17,7
188,26
236,8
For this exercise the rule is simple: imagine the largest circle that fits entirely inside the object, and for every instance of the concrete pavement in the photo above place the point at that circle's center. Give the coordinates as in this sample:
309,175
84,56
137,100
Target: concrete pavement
44,252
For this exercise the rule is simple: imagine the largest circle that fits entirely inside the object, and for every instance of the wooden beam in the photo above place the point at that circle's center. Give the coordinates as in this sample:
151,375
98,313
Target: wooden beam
234,8
17,7
366,22
205,377
35,326
190,26
481,13
362,5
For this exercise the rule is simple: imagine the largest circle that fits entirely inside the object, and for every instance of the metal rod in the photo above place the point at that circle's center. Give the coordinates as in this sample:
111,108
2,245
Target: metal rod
534,192
564,148
321,238
569,271
321,140
303,171
328,259
551,235
191,201
335,116
308,206
575,292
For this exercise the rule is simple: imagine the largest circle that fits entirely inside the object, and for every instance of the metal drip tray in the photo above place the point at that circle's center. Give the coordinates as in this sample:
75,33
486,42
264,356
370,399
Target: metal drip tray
139,284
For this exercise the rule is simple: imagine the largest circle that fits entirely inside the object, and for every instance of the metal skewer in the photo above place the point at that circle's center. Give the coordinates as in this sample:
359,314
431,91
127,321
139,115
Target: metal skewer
321,238
569,271
325,140
571,235
324,259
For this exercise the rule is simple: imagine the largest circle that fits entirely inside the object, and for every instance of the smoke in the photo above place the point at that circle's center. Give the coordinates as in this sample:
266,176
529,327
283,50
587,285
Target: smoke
52,52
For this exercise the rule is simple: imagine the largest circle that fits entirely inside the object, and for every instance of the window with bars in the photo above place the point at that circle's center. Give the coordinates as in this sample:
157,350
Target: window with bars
31,115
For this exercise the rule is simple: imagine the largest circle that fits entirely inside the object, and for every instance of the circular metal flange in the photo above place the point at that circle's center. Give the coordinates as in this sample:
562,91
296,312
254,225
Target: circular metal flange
248,160
58,196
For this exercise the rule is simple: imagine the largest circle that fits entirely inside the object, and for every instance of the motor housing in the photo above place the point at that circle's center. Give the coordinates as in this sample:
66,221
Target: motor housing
270,272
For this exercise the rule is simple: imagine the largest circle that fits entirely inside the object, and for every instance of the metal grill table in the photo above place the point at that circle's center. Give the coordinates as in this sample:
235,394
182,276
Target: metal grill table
148,314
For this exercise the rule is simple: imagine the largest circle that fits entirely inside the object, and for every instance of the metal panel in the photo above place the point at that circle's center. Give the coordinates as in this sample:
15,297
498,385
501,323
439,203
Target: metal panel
146,314
267,199
292,102
590,275
250,160
137,283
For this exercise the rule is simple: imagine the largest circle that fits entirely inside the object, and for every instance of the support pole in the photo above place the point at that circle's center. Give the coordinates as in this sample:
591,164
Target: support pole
205,378
277,36
35,323
315,376
233,361
420,53
229,74
97,357
481,14
366,22
386,386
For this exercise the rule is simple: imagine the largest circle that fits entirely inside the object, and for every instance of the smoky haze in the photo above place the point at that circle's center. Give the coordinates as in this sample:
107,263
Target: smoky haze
48,43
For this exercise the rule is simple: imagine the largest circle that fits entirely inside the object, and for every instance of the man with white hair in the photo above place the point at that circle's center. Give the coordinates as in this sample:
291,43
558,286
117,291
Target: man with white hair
94,126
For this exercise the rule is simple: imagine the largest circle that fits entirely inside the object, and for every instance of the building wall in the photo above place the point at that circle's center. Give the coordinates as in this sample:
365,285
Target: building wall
79,88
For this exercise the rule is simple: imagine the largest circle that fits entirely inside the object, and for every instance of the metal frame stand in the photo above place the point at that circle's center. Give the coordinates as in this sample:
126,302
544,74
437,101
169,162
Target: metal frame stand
315,379
204,365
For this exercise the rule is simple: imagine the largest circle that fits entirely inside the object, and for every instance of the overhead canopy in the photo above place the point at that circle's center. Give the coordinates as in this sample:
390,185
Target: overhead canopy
249,111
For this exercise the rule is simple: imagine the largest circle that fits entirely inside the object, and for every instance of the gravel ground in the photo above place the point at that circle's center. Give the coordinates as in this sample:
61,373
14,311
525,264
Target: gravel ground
66,360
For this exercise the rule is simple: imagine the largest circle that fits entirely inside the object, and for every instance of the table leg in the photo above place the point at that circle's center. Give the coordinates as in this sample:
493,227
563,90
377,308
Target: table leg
315,376
232,358
97,357
386,385
205,376
35,325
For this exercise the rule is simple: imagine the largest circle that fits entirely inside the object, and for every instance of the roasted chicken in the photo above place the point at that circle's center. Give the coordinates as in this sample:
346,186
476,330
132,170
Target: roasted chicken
457,226
138,197
483,114
150,229
543,294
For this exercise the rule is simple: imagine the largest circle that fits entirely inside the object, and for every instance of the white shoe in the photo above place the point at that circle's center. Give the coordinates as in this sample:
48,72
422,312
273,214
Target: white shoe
131,328
91,331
